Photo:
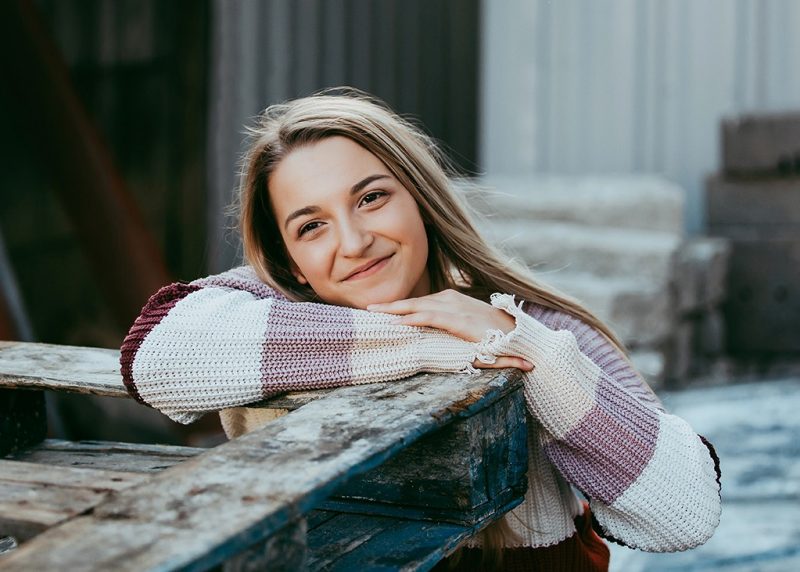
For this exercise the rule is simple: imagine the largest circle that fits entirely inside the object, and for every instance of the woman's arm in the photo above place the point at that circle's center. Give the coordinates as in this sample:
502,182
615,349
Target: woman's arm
228,340
652,482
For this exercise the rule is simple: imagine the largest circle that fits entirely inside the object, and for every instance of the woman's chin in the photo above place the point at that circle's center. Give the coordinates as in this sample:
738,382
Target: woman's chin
374,296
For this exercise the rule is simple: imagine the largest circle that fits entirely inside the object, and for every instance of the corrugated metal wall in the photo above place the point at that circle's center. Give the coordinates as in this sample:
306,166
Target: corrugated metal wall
421,56
600,86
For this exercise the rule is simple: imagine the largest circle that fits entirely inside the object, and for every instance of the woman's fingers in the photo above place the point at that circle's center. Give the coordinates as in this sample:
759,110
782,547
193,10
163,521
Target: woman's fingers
505,361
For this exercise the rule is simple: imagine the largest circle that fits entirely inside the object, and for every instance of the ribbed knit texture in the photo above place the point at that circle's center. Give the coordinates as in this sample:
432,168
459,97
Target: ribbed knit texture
593,423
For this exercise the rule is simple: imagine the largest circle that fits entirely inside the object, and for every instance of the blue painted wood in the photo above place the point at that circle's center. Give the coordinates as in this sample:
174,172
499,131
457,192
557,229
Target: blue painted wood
460,474
347,542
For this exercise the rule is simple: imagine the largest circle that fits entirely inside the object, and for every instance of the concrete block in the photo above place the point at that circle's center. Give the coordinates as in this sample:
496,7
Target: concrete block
610,252
621,201
640,313
709,335
752,208
679,354
701,270
650,364
767,142
762,311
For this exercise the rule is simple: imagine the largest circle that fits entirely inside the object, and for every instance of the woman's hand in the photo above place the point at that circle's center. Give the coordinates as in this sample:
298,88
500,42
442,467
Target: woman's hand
459,314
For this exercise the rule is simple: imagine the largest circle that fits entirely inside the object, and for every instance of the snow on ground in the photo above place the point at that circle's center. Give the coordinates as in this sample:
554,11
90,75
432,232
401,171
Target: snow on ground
755,428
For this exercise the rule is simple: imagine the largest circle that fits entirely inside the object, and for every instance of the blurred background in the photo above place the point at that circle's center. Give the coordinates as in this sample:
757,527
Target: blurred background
643,156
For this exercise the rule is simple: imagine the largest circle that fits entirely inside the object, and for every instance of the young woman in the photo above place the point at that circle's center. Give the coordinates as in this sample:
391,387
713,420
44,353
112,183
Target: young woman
363,266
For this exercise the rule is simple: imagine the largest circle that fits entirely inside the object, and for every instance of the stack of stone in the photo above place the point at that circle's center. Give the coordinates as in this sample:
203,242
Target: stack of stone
617,244
755,203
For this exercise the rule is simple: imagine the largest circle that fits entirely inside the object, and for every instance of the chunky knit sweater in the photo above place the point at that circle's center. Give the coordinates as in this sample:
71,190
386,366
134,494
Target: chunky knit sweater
594,425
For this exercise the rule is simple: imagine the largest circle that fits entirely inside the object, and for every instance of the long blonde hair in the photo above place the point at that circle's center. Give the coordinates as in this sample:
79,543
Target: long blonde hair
459,257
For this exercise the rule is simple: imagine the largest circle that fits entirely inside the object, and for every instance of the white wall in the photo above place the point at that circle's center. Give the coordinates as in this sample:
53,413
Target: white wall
604,86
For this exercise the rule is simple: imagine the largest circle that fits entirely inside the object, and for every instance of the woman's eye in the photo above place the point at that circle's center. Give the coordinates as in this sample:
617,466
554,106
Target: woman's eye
308,227
372,196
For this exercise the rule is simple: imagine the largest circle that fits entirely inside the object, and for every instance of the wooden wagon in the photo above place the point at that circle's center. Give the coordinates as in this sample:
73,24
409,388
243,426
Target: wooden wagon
389,476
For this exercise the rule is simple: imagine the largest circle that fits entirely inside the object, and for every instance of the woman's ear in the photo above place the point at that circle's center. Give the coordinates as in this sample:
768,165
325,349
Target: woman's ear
296,272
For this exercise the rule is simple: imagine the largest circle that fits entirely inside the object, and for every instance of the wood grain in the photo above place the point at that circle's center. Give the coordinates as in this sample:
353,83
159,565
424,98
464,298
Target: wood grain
62,368
128,457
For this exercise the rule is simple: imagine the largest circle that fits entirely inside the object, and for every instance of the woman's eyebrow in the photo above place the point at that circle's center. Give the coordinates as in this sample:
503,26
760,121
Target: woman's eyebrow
314,208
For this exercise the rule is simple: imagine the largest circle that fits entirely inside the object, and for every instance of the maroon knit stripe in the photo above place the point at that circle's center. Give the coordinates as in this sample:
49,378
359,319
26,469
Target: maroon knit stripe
153,312
713,453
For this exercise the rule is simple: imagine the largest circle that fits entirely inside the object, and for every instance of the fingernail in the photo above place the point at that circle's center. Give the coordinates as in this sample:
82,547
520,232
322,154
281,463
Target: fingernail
396,320
527,363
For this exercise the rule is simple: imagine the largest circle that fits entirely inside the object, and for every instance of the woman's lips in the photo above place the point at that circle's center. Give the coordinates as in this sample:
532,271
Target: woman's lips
371,270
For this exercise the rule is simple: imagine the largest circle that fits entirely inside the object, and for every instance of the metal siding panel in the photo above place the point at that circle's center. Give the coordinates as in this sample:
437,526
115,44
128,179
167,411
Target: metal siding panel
305,38
360,52
333,45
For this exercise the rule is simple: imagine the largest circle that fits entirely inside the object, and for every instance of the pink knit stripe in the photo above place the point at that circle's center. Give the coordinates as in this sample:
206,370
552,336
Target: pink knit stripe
157,307
241,278
307,360
608,450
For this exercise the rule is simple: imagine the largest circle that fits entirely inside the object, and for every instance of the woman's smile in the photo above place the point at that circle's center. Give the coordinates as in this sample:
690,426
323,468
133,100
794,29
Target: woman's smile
371,269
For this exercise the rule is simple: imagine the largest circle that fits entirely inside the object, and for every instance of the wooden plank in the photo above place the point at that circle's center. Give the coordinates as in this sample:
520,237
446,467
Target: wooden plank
348,542
28,509
107,455
34,497
64,368
210,508
24,472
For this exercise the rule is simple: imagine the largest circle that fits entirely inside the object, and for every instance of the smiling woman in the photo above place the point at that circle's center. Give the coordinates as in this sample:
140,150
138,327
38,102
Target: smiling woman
352,231
362,265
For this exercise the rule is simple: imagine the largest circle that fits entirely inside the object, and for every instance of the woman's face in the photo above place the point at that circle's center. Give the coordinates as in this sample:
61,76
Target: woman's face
352,231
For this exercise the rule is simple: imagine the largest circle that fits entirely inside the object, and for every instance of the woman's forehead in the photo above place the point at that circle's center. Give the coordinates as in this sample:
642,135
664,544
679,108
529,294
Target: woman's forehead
323,170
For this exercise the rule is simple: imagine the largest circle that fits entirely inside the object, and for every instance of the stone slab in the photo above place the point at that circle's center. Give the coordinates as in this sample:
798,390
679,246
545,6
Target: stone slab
617,201
558,246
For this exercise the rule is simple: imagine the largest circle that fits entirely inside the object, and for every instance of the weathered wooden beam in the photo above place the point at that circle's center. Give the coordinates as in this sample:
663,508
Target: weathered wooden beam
208,509
61,368
463,473
94,371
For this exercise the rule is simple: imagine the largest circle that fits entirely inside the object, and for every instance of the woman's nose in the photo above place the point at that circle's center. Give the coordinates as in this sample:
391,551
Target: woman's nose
354,239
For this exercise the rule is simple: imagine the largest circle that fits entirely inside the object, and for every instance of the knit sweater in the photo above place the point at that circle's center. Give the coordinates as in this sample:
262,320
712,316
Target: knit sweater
594,425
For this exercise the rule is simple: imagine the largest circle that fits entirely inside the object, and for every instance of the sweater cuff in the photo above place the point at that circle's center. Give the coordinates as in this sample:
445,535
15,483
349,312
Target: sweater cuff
441,351
530,339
